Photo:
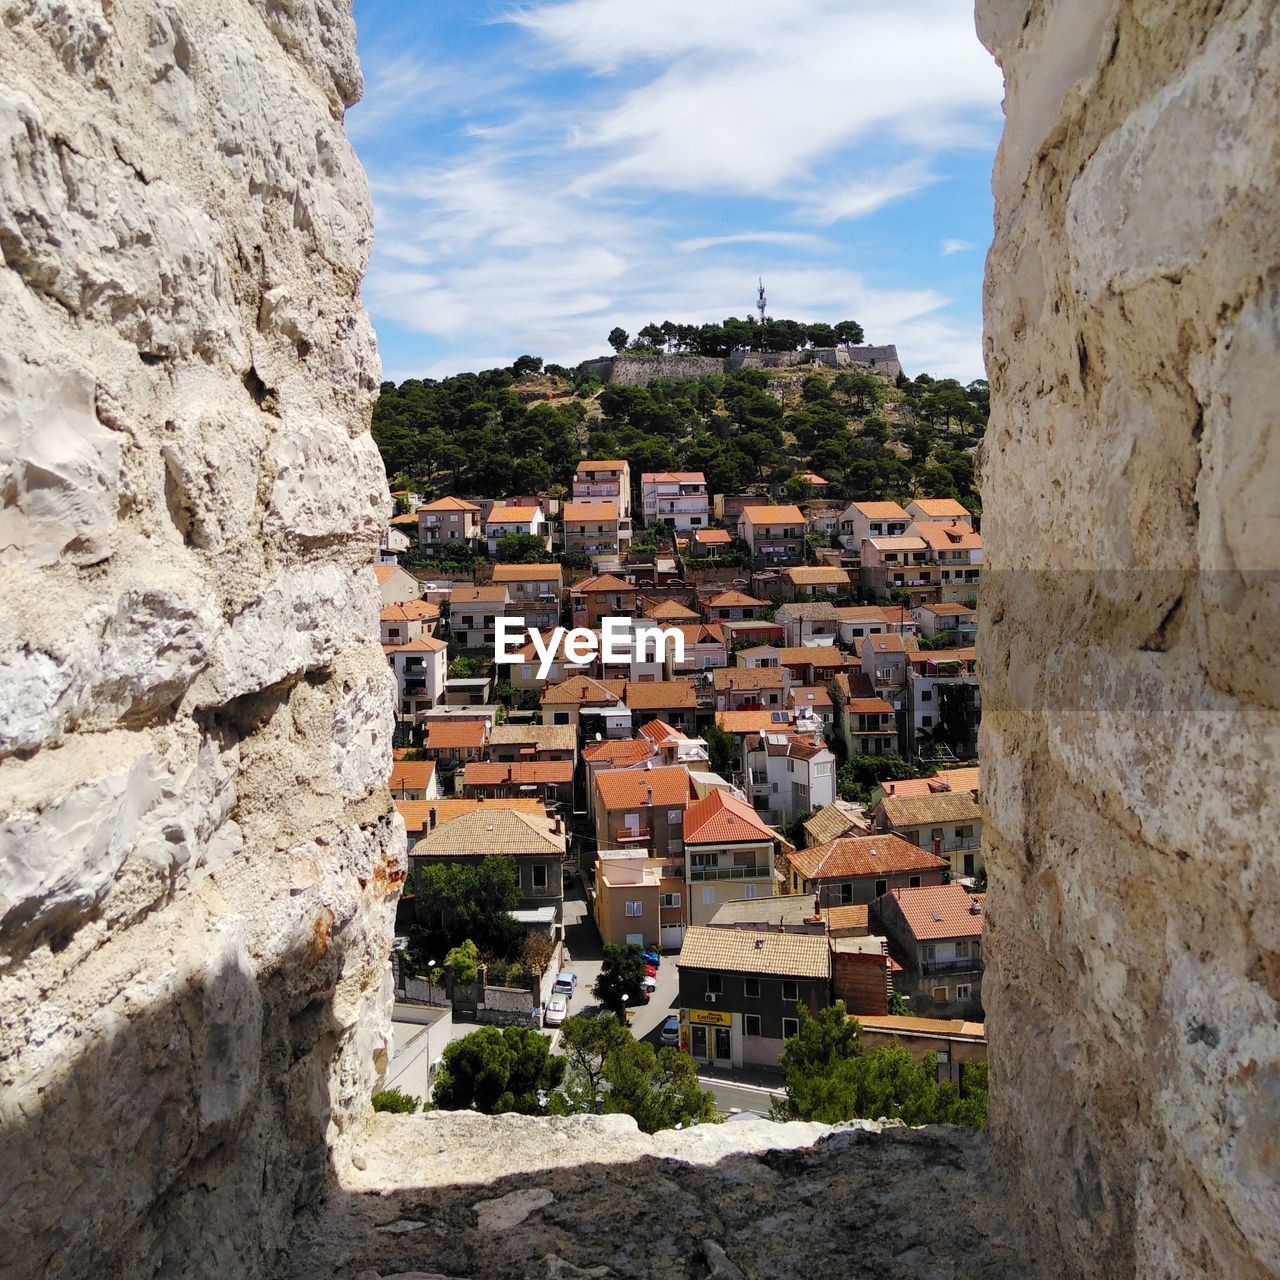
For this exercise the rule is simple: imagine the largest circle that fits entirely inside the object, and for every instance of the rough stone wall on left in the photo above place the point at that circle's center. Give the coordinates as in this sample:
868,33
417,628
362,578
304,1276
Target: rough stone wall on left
199,860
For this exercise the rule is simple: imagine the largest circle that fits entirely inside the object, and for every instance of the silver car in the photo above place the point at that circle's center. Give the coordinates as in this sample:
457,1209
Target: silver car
557,1011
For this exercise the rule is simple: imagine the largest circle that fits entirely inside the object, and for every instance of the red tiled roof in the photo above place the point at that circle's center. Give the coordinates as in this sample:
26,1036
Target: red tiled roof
852,856
721,818
452,734
660,693
942,911
412,775
618,750
583,690
639,788
484,773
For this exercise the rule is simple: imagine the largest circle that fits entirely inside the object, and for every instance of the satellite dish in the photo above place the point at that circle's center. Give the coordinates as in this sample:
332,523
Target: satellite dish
597,737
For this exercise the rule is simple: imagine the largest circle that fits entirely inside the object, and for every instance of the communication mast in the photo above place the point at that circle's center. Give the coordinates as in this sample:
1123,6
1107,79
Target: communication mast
760,303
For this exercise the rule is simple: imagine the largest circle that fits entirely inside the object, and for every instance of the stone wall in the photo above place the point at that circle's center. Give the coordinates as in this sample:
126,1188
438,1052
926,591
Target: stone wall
198,858
1131,701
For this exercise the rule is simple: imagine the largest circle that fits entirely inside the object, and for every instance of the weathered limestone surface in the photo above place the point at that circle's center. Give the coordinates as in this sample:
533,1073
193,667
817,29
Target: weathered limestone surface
1131,695
460,1195
198,859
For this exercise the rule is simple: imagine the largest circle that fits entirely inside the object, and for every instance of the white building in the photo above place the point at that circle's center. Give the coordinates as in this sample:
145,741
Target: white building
789,775
420,668
675,498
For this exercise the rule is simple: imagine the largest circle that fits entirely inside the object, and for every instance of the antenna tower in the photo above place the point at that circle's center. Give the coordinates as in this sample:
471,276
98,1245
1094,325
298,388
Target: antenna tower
760,302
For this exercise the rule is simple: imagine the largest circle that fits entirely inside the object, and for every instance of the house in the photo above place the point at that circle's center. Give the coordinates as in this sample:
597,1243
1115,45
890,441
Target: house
964,778
816,700
524,742
396,585
393,545
705,648
734,606
596,530
523,673
857,621
671,611
502,521
710,542
900,567
884,661
536,843
421,669
565,703
748,688
728,854
803,622
840,818
862,970
938,933
414,780
672,701
408,620
728,507
454,742
860,521
943,700
955,552
642,809
869,727
807,581
423,816
823,518
675,498
533,592
775,534
739,989
812,664
446,522
946,510
472,611
789,775
550,780
947,822
610,480
602,596
628,893
949,620
948,1045
860,869
674,746
468,691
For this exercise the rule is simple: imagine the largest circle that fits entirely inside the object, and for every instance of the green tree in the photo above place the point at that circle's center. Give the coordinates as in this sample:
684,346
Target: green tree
849,331
395,1100
621,974
521,548
463,961
859,775
618,338
526,364
658,1090
460,901
496,1070
722,748
587,1043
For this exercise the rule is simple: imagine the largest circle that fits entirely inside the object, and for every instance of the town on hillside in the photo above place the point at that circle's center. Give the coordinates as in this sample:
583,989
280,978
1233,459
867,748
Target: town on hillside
713,841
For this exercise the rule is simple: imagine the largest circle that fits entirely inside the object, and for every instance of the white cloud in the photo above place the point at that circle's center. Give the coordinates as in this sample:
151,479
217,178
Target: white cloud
956,246
864,195
791,239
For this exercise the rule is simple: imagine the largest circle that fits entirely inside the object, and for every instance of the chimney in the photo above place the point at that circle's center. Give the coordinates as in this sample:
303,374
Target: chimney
937,846
431,818
891,792
559,828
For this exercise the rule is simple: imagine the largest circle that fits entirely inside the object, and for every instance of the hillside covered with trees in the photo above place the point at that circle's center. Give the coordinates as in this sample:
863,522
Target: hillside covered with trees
523,429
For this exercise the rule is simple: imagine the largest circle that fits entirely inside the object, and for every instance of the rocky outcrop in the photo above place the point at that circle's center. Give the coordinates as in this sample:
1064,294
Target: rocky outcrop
198,858
1131,702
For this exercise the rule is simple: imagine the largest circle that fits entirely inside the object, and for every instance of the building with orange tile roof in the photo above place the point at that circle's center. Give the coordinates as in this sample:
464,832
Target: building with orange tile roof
408,620
455,741
815,581
550,780
734,606
862,520
775,534
414,780
447,521
641,808
728,853
675,498
945,509
608,478
859,869
395,584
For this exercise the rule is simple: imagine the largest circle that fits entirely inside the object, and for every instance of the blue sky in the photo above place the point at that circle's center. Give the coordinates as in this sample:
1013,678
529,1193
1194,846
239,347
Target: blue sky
545,171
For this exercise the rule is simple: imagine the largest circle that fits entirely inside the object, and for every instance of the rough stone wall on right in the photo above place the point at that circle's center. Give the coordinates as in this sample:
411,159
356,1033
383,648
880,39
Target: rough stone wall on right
1131,689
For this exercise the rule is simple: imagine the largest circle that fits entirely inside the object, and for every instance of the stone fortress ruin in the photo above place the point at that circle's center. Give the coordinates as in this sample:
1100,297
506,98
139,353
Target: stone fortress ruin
199,859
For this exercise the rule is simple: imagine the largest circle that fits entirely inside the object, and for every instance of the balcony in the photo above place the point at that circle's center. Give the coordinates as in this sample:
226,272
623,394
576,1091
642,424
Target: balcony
972,965
730,873
634,835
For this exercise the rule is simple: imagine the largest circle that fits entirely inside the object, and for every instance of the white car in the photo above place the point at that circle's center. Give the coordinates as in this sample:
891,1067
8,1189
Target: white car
650,985
557,1011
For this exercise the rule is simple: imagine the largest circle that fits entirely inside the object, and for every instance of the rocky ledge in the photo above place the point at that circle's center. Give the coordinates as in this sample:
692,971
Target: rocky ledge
451,1195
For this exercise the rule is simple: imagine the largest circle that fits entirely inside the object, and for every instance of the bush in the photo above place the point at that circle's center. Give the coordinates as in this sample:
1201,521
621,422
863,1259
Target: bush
394,1100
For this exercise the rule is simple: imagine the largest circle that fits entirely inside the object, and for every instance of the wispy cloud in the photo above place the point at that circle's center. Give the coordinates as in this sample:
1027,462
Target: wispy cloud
793,239
956,246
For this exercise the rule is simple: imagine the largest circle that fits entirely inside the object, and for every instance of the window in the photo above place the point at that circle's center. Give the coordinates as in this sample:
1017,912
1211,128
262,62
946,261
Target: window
790,1027
926,695
926,722
962,992
935,833
962,950
715,983
708,897
561,717
943,1057
846,894
673,815
670,899
882,887
750,890
751,1024
539,875
751,988
913,882
790,990
939,993
703,859
635,939
635,908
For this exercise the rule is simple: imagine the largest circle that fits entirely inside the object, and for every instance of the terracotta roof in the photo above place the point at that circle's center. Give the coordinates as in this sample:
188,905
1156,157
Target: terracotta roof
726,678
787,955
813,477
942,507
834,820
408,611
721,818
929,810
952,1028
600,511
411,775
604,582
795,746
584,691
862,613
734,599
511,515
947,609
900,542
688,477
417,813
383,571
609,464
815,575
942,911
650,694
670,609
423,644
850,916
661,731
618,751
712,537
820,611
753,721
850,856
947,537
919,656
550,737
477,595
869,707
879,510
886,642
526,572
698,632
787,514
490,773
408,518
449,504
810,695
815,655
485,831
451,734
638,788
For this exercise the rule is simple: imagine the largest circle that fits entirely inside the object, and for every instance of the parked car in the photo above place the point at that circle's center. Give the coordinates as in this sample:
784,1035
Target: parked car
651,956
670,1033
648,984
565,985
557,1010
651,971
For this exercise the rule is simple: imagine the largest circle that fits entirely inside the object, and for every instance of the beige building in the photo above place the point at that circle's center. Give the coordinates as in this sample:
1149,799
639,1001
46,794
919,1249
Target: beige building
775,534
472,611
534,591
396,585
628,894
642,809
445,521
608,479
728,854
596,529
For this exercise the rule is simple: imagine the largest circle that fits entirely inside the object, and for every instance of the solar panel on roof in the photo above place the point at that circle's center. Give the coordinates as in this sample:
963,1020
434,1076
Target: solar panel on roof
778,717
